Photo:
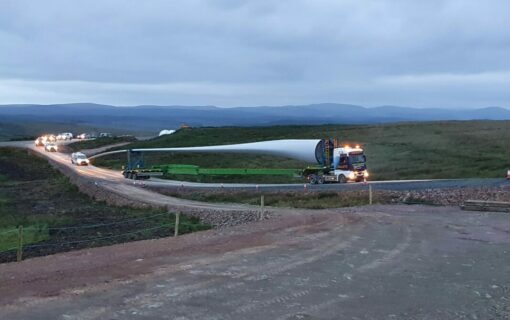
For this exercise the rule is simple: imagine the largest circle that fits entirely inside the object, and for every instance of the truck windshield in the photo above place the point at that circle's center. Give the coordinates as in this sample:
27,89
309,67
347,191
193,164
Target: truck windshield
357,158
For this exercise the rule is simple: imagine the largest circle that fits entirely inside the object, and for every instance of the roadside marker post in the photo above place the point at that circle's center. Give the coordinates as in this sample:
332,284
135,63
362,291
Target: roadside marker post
261,217
508,174
19,253
304,187
370,194
176,227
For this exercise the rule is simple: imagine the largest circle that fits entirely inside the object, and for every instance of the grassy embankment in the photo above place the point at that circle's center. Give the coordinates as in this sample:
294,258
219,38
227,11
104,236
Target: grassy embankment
451,149
38,197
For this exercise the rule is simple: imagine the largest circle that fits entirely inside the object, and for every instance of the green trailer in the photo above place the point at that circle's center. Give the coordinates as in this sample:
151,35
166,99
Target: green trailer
179,169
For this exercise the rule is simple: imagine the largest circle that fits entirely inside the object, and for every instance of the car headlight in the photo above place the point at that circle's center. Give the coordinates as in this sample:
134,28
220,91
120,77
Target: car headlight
352,175
365,174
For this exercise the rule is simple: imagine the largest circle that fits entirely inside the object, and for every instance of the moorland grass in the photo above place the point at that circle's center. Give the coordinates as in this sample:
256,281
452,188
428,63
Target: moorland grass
412,150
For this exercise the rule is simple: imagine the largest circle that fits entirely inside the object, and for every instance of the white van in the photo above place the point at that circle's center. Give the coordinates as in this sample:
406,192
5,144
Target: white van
79,159
65,136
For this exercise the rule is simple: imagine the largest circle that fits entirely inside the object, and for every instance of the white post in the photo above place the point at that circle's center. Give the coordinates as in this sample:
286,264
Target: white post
176,227
261,207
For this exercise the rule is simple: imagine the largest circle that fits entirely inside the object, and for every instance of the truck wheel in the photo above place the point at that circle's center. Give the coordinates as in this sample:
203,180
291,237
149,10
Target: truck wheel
342,179
135,176
125,174
320,180
313,178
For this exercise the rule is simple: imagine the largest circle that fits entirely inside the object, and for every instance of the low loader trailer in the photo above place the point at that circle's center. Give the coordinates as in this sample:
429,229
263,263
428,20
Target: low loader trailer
335,164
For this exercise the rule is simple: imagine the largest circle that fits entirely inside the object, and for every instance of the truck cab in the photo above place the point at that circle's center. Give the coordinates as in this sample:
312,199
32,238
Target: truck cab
337,164
349,164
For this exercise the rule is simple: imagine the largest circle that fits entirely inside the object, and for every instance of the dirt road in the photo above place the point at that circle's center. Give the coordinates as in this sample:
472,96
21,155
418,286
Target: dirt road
381,262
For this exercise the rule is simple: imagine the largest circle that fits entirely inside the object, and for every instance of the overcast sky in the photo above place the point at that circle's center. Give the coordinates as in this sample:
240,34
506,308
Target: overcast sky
430,53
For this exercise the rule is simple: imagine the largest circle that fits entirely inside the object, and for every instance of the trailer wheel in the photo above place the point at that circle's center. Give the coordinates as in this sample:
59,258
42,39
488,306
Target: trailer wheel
135,176
320,180
125,174
342,179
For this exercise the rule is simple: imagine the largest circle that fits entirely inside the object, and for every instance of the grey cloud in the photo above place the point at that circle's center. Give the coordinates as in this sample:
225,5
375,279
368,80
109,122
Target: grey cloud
417,53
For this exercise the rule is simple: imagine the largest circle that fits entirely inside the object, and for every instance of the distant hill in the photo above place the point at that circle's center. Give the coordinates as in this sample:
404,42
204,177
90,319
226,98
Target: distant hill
155,118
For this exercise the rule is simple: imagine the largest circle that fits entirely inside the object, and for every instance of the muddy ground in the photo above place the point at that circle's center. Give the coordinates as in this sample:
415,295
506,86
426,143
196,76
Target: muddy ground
379,262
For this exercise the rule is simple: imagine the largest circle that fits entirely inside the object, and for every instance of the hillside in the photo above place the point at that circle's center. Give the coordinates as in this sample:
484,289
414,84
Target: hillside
155,118
455,149
57,217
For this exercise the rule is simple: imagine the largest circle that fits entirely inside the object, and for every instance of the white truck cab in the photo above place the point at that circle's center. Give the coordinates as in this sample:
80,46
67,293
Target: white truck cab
339,164
349,164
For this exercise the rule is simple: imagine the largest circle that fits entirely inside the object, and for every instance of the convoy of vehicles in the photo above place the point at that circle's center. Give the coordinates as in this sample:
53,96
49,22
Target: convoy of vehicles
336,164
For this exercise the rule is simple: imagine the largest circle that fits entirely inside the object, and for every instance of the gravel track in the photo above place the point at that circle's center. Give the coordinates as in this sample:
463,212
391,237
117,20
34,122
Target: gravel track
379,262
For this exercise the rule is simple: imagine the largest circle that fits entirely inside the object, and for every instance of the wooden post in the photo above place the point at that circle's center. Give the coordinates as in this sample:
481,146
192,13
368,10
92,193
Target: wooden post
369,194
261,207
19,254
176,227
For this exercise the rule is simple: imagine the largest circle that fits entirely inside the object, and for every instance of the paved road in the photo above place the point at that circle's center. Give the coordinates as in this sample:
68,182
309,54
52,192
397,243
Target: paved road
381,262
380,185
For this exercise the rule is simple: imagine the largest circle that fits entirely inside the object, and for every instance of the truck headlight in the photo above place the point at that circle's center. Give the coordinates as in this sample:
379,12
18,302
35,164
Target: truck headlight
365,174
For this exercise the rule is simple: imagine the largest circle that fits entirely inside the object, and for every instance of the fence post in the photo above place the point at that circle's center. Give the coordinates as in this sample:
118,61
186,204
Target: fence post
261,207
176,227
369,194
19,253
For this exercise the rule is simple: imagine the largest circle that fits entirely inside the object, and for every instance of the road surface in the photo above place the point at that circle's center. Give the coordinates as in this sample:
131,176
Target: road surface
380,262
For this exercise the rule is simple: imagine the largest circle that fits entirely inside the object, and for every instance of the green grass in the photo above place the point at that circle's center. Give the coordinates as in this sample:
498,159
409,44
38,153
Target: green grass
35,195
450,149
9,237
98,142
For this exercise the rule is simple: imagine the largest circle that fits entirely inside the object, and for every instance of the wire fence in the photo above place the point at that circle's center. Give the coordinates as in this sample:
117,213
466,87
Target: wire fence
21,242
